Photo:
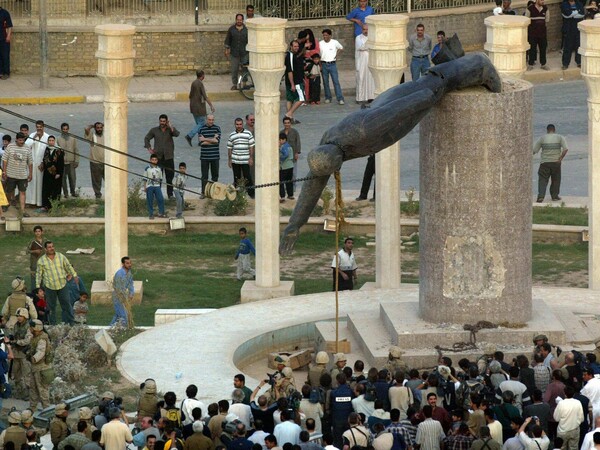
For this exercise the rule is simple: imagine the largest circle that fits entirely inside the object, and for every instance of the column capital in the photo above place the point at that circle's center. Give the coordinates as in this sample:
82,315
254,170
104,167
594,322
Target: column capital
387,45
267,47
506,43
266,35
115,42
115,59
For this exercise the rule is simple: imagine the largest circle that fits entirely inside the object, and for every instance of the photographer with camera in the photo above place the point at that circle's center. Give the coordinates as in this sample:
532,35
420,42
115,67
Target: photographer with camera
20,338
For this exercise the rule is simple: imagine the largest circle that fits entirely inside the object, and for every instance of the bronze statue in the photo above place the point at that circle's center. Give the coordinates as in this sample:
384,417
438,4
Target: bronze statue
391,116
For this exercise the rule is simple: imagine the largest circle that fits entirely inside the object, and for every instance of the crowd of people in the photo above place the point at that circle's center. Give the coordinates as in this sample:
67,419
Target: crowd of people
484,403
550,402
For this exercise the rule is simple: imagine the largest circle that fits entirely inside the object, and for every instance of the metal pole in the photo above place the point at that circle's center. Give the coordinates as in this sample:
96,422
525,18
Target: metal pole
44,79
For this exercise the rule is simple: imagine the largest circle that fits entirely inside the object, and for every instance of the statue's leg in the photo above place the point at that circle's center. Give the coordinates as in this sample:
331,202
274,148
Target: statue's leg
307,200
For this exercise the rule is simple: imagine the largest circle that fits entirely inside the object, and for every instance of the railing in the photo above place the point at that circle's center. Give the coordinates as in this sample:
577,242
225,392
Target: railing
318,9
17,8
182,11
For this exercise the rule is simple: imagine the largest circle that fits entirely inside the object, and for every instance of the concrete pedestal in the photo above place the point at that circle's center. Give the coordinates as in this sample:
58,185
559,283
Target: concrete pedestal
475,216
590,70
266,45
101,293
506,43
251,292
387,60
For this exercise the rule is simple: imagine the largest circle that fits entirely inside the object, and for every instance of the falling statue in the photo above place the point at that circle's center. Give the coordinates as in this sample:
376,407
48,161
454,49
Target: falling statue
391,116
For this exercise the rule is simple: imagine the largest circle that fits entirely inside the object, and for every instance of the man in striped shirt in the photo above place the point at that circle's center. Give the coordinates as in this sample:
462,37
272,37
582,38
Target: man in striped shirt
240,148
430,433
17,169
53,271
210,138
554,149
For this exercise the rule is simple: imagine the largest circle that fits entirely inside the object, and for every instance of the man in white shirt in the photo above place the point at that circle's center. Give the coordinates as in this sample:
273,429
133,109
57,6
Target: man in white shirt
401,397
330,49
346,267
188,404
591,390
588,440
569,415
360,404
516,387
242,411
259,435
37,141
287,430
539,441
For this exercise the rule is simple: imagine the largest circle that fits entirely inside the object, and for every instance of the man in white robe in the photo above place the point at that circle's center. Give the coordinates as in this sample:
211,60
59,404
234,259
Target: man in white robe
365,85
37,141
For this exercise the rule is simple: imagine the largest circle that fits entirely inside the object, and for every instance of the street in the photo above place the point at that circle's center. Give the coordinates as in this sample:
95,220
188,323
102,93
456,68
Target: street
563,104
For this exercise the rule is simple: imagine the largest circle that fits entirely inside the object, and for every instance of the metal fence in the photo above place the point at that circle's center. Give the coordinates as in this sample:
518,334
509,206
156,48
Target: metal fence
183,11
17,8
321,9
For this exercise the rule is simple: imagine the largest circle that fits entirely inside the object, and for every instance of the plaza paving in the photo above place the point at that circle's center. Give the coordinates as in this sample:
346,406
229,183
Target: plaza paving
219,338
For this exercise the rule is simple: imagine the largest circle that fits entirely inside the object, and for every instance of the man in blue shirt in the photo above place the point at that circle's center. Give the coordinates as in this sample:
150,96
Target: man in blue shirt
122,291
358,16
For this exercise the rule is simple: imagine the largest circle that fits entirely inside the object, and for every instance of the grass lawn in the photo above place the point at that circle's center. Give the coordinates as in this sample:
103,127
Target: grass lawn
184,270
198,270
560,216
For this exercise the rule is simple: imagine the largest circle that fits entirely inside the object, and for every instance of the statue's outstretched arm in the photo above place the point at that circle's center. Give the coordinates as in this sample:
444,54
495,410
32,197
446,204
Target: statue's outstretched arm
307,200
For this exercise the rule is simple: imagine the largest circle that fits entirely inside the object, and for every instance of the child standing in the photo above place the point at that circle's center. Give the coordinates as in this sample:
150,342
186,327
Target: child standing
81,308
286,168
152,183
243,255
314,77
179,188
41,305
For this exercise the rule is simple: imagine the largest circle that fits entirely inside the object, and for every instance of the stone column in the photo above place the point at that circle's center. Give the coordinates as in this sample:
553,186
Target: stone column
387,60
115,69
475,215
266,44
506,43
590,70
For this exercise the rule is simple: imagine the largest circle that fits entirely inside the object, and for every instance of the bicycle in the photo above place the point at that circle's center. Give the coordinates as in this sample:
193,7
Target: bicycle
245,83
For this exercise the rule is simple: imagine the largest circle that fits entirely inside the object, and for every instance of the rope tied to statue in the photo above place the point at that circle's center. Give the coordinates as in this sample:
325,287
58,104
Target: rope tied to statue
472,344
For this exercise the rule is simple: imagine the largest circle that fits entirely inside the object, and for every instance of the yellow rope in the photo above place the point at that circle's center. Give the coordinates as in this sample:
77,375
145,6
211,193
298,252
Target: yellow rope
339,221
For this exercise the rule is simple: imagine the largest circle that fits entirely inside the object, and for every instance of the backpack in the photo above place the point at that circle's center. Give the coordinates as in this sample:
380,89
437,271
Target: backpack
360,447
464,391
173,415
317,395
370,392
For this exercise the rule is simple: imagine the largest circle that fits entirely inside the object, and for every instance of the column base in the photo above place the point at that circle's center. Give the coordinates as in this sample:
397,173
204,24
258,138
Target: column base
250,292
101,293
